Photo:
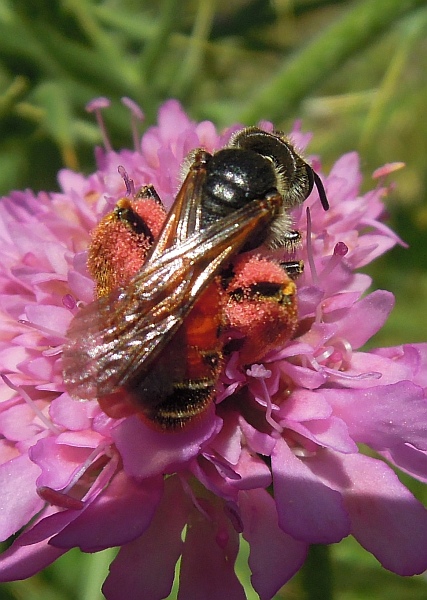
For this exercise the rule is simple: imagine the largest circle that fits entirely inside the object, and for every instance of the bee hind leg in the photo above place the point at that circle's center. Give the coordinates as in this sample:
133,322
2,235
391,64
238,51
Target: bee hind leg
291,239
294,268
148,192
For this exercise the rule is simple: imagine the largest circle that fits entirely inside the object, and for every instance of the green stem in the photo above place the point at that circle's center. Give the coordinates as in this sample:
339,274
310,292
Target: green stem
317,574
301,73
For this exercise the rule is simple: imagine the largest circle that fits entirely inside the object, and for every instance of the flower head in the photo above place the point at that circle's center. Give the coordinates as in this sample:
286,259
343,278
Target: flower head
275,458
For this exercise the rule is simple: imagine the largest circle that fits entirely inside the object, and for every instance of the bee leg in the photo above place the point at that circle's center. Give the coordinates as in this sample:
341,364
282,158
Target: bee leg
133,221
291,239
293,268
148,192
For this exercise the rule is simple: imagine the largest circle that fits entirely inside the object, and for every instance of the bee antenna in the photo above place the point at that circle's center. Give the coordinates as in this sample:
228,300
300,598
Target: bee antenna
130,186
321,190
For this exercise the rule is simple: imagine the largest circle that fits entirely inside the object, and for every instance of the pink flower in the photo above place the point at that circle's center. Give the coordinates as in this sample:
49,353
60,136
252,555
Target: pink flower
72,476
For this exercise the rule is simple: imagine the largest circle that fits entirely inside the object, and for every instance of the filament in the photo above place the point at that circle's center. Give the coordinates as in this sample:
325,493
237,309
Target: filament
31,404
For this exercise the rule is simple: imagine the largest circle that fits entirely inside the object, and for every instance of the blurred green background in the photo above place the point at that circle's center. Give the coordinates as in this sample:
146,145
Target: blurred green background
353,71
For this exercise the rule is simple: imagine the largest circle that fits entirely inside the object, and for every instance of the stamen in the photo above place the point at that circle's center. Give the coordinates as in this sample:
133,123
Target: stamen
52,351
302,452
261,373
269,411
327,353
258,371
335,372
222,466
340,251
312,362
187,489
42,329
232,511
310,254
387,169
136,115
344,375
85,466
31,404
95,106
347,347
129,183
62,498
68,301
56,498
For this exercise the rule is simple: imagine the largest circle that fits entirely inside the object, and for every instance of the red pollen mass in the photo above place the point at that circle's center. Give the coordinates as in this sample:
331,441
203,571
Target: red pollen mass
118,249
266,314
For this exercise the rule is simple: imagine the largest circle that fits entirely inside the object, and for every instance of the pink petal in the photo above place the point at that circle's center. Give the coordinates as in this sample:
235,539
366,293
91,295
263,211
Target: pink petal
7,451
18,498
383,416
86,438
208,137
49,522
145,567
338,302
172,120
146,452
329,433
367,317
128,508
408,459
253,471
68,413
303,376
309,297
308,510
58,462
54,318
386,518
20,562
216,477
387,169
207,565
370,247
53,519
81,286
258,442
274,555
305,405
411,357
391,371
228,442
344,178
18,423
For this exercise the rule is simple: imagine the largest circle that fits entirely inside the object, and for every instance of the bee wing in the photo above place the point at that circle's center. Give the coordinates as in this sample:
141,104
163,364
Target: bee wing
184,216
113,341
112,337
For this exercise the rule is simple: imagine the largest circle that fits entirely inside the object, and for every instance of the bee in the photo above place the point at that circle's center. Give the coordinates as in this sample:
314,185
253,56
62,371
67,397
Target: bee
169,285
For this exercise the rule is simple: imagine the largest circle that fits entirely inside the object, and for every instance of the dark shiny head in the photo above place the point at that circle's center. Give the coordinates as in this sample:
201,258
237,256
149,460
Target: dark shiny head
295,176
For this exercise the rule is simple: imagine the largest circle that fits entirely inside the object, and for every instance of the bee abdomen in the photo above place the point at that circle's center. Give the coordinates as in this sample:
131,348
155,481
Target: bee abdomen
188,400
